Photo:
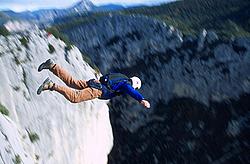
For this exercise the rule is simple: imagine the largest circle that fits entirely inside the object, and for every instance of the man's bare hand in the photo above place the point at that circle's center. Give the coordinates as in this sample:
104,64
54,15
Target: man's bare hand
145,103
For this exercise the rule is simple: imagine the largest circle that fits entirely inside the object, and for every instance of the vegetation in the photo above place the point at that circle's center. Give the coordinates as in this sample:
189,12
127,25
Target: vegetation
51,48
33,136
17,159
4,31
54,31
71,21
4,110
24,41
89,61
227,17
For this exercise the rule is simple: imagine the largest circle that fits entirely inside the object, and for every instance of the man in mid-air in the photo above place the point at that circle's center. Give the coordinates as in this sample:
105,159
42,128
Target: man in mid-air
107,87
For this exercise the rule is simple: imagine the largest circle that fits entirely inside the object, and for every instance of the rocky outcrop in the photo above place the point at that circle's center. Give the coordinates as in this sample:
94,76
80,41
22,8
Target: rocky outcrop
121,40
48,128
188,67
199,85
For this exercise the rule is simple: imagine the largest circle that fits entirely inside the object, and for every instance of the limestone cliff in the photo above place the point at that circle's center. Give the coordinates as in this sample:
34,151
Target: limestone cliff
47,128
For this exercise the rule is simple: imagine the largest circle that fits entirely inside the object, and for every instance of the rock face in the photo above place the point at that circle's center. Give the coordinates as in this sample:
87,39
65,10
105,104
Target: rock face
198,86
174,65
13,147
122,40
68,133
19,26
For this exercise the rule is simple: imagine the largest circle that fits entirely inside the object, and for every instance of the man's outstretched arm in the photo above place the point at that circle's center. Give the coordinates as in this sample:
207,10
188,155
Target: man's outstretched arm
136,95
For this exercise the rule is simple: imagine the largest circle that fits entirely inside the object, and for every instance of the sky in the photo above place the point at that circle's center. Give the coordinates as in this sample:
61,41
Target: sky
22,5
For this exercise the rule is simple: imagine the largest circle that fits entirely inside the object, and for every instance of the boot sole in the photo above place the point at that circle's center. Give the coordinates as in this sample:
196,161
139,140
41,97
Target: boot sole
40,89
43,65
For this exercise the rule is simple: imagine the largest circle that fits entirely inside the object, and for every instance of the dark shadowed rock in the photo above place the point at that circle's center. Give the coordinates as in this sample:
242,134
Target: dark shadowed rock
224,53
198,88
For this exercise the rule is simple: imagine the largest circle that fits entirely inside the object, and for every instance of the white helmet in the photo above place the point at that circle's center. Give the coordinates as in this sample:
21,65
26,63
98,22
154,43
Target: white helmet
136,82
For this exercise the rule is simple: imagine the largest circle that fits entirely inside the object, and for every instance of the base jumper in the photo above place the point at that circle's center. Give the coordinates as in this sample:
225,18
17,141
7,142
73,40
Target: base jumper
107,87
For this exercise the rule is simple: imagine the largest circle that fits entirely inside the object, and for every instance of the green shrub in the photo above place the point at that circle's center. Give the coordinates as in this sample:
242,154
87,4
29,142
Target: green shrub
17,159
51,48
68,47
65,39
55,32
92,64
4,31
3,110
24,41
190,16
33,136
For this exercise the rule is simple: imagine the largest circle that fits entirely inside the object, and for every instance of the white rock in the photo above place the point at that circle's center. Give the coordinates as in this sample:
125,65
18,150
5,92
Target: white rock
12,146
201,40
17,26
69,133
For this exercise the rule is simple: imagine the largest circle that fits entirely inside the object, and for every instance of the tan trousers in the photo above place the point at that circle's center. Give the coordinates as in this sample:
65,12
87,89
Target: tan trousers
81,91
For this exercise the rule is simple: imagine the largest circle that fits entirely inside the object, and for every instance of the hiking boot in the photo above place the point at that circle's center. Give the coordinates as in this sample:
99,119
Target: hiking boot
48,84
48,64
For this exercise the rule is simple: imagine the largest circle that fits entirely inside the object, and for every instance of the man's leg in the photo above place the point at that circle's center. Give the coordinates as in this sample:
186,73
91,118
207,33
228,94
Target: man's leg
67,78
76,96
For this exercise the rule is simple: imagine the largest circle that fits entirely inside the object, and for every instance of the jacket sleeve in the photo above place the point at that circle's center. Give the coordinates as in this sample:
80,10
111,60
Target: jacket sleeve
132,92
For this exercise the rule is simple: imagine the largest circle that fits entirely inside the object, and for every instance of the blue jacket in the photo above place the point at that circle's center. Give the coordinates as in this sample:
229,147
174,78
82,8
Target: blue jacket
123,88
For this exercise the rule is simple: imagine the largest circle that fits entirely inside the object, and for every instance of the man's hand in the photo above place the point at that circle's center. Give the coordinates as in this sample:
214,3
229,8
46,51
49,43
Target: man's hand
145,103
